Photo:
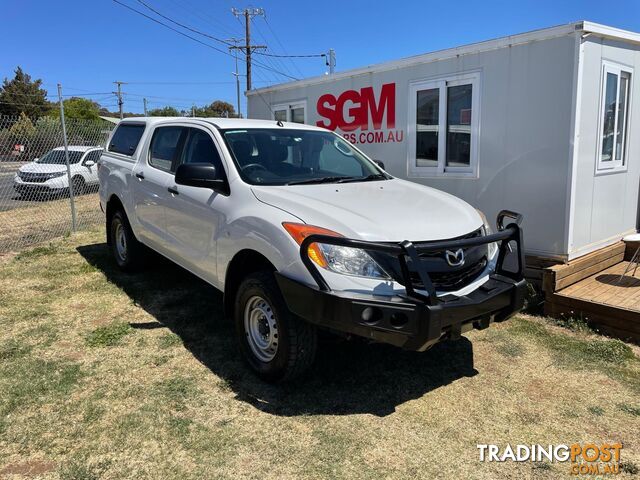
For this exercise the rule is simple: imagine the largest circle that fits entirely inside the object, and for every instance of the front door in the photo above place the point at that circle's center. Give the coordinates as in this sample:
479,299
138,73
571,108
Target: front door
192,213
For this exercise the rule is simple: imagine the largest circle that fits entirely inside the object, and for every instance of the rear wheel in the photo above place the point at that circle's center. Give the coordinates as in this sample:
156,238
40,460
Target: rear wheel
276,344
127,251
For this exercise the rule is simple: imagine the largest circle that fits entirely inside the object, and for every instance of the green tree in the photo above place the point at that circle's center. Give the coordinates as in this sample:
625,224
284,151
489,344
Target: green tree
23,95
76,107
23,128
218,108
164,112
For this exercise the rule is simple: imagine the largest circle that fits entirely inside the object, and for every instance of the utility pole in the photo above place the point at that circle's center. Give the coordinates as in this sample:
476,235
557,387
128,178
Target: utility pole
248,13
193,110
119,94
331,60
144,102
236,73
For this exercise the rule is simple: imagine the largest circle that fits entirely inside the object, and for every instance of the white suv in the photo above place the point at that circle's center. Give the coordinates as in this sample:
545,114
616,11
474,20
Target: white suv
48,174
302,231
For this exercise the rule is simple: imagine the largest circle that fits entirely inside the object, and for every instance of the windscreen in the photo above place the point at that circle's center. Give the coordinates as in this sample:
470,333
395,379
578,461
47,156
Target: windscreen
287,157
57,157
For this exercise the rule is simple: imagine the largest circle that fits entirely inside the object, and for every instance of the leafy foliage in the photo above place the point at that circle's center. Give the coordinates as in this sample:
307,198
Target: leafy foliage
82,108
22,95
164,112
218,108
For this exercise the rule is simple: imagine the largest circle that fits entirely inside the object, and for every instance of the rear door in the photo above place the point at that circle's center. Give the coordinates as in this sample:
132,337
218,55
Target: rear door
193,215
153,175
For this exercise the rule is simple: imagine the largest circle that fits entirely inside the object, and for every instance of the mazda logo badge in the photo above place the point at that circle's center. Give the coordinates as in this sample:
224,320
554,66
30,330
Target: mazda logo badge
455,259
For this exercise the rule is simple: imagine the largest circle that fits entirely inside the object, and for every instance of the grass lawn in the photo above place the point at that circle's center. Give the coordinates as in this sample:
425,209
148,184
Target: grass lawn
109,375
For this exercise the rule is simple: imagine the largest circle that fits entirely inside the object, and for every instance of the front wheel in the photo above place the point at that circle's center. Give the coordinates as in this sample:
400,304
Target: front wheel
276,344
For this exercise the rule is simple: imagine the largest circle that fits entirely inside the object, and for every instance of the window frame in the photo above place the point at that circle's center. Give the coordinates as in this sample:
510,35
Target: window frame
288,107
441,84
180,159
89,153
613,165
125,124
179,148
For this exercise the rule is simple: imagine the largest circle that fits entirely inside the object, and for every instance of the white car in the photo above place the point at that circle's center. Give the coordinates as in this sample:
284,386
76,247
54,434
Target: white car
301,231
48,174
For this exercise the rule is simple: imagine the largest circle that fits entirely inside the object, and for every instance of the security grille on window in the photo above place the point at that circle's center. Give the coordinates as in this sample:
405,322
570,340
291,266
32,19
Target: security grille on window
443,126
616,81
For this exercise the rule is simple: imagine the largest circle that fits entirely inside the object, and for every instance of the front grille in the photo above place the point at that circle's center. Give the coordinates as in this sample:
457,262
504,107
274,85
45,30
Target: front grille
443,276
34,177
453,280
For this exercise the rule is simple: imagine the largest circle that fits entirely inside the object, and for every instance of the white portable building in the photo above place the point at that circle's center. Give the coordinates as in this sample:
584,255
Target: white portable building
544,123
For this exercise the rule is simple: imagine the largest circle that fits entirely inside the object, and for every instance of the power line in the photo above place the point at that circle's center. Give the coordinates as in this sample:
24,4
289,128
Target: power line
313,55
193,38
186,27
276,62
281,45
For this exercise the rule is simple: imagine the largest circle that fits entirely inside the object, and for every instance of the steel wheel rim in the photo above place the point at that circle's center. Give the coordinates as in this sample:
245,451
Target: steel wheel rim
120,240
261,328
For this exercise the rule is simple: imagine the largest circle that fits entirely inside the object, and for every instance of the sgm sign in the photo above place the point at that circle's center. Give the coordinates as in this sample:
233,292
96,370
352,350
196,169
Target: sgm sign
361,110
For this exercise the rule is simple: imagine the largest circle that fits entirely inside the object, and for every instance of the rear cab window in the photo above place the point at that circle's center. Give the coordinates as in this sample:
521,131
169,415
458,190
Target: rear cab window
126,138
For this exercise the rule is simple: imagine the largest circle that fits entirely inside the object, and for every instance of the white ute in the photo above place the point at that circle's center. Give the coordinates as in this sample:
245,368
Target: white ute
301,231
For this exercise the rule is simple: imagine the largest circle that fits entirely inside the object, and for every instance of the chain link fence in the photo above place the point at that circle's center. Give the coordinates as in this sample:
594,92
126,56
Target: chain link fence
45,190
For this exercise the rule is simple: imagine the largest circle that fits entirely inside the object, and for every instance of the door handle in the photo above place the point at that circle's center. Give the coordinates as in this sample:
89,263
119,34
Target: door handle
140,175
173,190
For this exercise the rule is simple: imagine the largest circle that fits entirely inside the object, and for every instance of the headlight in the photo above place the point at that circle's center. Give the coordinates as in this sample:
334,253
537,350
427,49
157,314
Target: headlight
351,261
487,230
338,259
55,175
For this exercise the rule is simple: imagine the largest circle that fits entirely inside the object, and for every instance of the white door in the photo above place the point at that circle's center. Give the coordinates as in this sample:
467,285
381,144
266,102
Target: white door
192,213
90,172
153,175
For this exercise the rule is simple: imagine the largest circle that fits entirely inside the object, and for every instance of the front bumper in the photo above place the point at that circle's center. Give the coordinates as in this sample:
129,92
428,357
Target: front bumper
49,186
414,321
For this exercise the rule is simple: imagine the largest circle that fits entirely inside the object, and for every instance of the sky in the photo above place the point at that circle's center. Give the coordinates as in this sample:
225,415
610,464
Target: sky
86,45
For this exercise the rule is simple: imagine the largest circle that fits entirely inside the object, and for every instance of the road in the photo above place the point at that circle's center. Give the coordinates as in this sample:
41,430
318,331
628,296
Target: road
8,196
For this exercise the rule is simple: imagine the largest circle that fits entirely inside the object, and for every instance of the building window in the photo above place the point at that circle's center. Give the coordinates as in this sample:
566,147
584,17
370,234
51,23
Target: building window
614,112
443,126
294,112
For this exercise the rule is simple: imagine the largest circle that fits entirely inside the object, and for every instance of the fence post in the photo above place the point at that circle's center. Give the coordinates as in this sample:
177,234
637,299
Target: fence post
66,156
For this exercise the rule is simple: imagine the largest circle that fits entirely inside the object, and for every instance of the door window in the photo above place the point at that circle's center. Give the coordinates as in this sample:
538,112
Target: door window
199,148
165,147
93,156
126,138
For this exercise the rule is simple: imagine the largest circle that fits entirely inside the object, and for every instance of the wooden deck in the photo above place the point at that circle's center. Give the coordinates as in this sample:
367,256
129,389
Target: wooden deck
601,299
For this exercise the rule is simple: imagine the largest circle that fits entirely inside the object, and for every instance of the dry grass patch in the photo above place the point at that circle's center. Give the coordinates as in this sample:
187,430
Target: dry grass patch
43,220
108,375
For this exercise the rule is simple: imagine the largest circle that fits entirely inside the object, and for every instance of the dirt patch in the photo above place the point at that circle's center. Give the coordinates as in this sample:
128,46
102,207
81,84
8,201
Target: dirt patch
31,468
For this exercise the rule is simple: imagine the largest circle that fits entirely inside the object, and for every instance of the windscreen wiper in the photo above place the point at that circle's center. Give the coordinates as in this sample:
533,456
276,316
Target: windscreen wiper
373,176
320,180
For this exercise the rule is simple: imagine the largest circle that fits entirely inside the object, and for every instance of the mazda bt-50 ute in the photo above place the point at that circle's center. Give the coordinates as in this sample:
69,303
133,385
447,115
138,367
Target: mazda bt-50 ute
302,232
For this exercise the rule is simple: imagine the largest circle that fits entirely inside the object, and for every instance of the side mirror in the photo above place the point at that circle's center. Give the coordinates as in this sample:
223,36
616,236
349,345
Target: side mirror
380,163
203,175
89,163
